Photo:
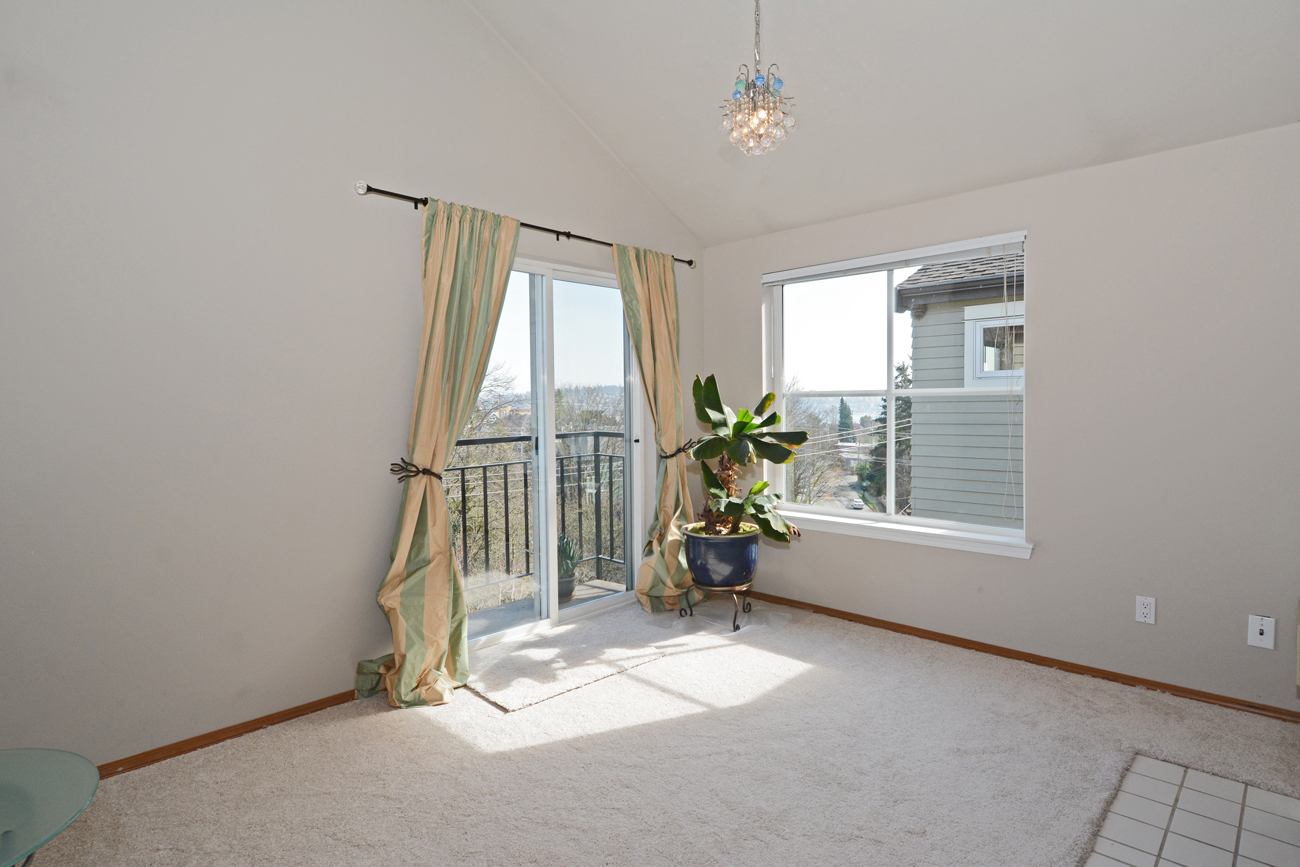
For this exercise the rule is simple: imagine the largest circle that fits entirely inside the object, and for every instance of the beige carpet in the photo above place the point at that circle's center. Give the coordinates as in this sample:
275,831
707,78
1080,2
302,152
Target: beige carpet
822,742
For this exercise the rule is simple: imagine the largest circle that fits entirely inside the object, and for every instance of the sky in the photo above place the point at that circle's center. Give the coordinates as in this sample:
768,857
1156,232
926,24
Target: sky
588,334
835,332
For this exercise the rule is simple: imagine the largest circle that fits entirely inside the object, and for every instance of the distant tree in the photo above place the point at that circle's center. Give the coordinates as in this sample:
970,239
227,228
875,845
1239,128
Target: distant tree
817,472
846,422
903,442
873,473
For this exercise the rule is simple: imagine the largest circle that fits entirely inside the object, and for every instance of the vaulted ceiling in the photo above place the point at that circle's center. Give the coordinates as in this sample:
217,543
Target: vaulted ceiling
900,102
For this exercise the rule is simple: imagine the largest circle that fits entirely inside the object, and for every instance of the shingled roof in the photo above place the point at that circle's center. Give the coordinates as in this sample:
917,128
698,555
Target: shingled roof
965,279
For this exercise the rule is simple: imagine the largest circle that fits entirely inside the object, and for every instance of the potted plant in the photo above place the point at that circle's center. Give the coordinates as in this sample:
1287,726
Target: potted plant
567,560
722,547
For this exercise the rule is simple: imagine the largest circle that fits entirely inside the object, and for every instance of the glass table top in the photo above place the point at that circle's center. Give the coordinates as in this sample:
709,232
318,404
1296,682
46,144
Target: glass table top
41,792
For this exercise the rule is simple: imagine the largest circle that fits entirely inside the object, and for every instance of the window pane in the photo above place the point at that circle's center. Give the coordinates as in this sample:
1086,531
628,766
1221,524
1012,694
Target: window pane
834,337
590,446
961,458
902,363
930,313
842,466
489,480
1003,348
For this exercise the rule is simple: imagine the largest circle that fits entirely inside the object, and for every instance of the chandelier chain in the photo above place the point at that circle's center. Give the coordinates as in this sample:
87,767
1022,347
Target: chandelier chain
758,64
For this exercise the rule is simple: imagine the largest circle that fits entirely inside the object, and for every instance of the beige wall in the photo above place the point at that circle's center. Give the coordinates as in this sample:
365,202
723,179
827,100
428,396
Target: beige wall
208,340
1161,458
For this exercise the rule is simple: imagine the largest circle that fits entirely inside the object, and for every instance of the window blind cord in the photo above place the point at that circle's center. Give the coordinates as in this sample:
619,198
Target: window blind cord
1008,488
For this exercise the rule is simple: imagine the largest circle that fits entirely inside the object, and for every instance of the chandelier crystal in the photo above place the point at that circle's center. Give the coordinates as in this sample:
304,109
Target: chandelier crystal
757,118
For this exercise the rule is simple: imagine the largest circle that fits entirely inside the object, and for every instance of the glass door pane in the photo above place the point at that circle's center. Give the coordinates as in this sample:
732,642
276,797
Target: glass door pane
592,429
490,480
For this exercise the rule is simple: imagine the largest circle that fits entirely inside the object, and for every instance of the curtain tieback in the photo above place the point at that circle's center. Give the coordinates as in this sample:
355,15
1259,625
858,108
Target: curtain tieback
686,447
404,470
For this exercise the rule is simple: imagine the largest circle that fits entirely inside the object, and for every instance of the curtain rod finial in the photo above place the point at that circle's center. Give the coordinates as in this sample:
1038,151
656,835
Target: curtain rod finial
362,188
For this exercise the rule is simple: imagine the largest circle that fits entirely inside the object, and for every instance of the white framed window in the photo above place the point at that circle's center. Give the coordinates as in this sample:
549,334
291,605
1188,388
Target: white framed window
995,343
907,369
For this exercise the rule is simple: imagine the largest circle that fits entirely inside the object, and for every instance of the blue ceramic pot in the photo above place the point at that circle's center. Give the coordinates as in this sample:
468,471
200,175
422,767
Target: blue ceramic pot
722,561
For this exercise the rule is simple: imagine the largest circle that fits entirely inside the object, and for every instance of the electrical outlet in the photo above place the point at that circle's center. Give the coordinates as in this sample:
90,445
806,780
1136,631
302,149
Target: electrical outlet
1146,609
1261,631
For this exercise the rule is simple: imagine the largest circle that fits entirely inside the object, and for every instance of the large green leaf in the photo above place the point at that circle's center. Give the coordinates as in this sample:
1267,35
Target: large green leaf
697,394
733,507
794,438
710,447
741,451
777,454
744,423
772,419
759,487
708,405
766,526
765,403
770,521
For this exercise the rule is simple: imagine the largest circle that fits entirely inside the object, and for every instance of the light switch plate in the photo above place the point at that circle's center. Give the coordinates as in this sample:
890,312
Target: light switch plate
1261,632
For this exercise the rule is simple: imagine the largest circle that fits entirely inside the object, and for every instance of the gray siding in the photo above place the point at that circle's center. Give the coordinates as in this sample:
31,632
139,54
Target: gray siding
937,346
967,451
967,459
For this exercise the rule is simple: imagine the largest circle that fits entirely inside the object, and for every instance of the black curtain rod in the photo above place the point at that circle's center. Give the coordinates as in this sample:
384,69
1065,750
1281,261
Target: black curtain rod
366,189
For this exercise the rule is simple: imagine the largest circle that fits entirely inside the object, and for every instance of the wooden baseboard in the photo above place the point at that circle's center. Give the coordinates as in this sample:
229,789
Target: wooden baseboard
149,757
198,742
1047,661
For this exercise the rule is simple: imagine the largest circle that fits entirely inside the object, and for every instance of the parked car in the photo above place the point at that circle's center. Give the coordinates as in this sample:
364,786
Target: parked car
856,503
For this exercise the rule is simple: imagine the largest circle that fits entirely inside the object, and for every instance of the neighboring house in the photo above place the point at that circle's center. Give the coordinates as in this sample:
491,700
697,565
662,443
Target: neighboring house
967,333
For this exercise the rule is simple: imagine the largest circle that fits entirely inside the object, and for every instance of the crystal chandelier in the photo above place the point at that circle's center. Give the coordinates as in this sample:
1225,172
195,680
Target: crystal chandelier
757,117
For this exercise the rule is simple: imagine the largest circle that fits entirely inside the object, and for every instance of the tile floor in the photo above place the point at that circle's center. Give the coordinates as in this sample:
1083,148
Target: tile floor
1165,815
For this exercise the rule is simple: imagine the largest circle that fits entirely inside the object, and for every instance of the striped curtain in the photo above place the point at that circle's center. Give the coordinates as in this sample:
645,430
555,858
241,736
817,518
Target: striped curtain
649,289
467,259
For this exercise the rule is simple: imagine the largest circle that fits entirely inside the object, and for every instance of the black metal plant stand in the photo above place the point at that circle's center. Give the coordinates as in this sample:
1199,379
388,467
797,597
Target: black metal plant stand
739,595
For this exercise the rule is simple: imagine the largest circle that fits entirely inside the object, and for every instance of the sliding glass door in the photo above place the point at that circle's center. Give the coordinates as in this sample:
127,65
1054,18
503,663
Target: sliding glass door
592,431
491,476
541,485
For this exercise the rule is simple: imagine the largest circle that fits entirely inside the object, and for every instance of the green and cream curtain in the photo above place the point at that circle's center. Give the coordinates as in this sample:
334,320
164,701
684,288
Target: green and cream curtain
467,259
649,289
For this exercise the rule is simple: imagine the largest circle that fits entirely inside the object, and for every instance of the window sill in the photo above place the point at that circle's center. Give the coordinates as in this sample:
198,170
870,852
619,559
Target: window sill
1000,544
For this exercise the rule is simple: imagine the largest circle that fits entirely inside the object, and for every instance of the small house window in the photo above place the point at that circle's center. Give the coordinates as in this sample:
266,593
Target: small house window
995,344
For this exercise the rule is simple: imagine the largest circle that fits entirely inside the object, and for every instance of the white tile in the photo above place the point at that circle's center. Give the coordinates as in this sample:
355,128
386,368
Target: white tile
1272,802
1246,862
1208,805
1095,860
1142,809
1229,790
1219,834
1272,825
1124,854
1272,852
1147,787
1190,853
1148,767
1131,832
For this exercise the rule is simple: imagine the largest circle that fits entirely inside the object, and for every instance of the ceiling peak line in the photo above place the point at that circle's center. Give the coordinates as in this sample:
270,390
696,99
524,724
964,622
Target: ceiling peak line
591,132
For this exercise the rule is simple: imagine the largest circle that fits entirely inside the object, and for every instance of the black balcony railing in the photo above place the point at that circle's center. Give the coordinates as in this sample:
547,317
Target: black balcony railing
491,506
